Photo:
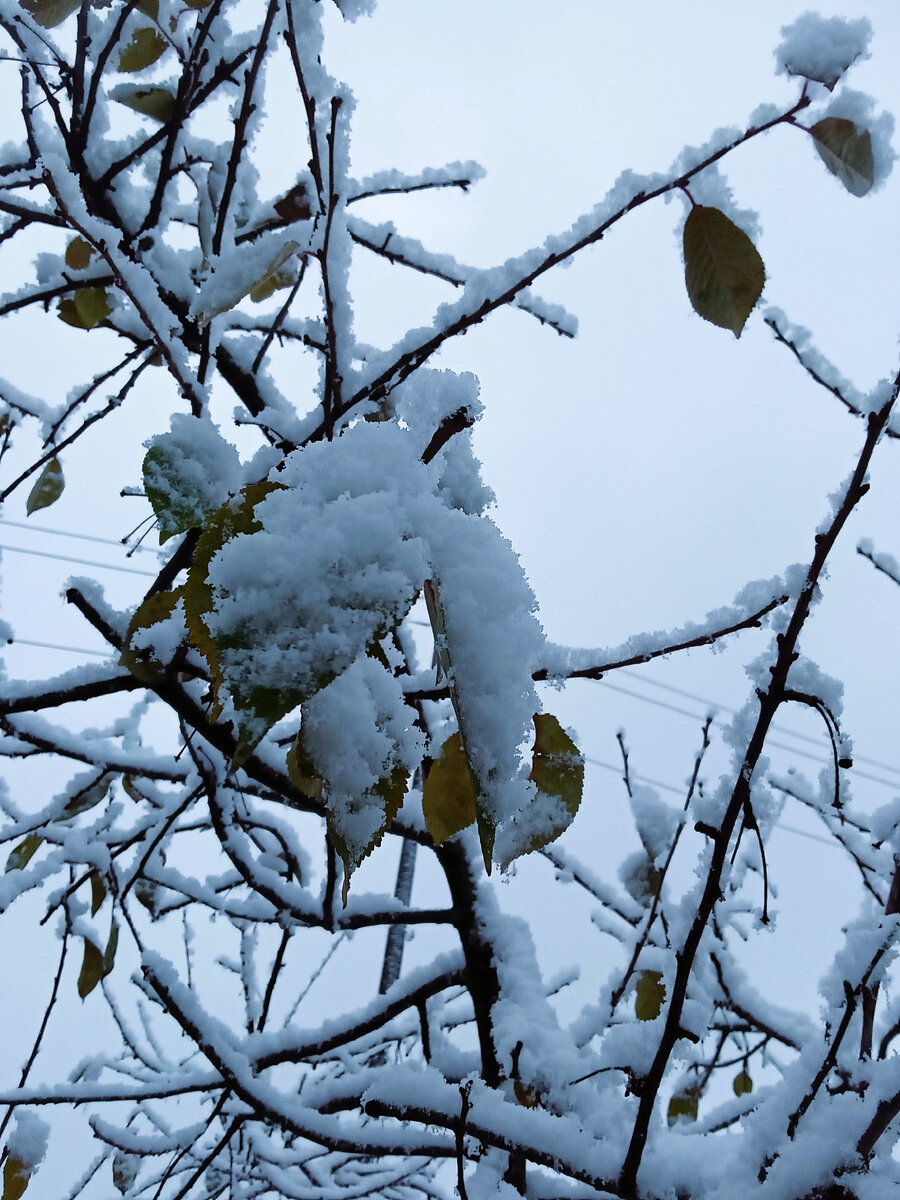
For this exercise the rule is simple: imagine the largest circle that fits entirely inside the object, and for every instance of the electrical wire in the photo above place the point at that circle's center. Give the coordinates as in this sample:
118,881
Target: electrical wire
84,562
70,533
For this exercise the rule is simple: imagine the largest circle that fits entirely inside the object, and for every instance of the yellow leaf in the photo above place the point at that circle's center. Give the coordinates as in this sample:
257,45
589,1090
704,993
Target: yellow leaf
154,608
48,488
16,1174
448,797
145,47
649,995
155,102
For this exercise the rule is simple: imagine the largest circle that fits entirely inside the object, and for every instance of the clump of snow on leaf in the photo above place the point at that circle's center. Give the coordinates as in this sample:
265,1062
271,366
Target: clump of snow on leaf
822,48
189,472
357,732
338,560
28,1140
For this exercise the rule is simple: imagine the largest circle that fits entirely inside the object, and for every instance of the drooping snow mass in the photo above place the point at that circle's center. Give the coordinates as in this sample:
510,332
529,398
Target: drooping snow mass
28,1140
358,732
822,48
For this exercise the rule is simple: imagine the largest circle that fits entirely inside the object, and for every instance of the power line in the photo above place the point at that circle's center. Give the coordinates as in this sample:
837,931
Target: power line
70,533
84,562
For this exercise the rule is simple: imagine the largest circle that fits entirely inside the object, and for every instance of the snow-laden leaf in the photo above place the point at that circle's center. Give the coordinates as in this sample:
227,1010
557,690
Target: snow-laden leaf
448,797
86,797
302,771
557,766
649,994
47,489
640,877
257,706
386,798
23,853
50,13
155,102
742,1084
683,1106
16,1174
723,271
144,48
125,1168
78,254
846,150
141,660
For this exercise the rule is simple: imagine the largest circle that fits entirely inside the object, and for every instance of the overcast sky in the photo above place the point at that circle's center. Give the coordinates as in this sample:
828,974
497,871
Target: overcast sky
646,471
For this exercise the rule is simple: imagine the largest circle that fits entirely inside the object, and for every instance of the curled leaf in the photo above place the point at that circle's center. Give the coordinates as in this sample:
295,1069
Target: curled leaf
723,271
846,150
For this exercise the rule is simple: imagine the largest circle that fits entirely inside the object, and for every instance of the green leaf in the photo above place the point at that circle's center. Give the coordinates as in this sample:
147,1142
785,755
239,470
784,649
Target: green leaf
23,853
846,150
98,892
448,797
96,965
173,509
684,1106
145,47
47,489
723,271
16,1174
87,797
742,1084
150,8
91,969
50,12
87,308
125,1168
649,994
139,660
78,254
155,102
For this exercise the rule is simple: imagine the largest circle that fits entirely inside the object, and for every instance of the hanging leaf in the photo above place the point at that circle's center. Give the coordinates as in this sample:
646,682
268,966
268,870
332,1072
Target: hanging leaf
846,150
742,1084
145,47
98,892
125,1168
641,878
146,892
448,797
50,12
557,768
16,1174
155,102
139,660
78,254
649,994
91,969
48,488
23,853
723,271
684,1106
87,308
96,965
